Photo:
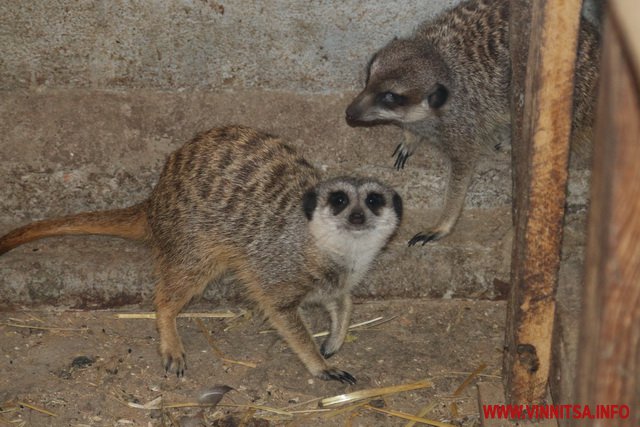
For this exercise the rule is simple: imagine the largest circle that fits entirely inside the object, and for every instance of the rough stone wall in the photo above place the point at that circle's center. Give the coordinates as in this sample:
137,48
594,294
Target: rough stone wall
290,45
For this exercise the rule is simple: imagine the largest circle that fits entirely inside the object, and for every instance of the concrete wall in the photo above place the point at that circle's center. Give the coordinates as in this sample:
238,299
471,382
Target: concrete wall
95,94
292,45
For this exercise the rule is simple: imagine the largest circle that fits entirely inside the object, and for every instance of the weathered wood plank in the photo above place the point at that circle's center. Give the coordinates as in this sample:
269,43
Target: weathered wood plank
609,356
540,156
627,16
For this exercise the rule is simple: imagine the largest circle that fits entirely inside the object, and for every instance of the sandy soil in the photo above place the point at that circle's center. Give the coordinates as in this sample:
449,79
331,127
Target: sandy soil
92,369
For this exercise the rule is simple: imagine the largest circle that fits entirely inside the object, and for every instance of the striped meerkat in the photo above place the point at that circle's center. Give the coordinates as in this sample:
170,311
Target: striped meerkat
449,85
234,200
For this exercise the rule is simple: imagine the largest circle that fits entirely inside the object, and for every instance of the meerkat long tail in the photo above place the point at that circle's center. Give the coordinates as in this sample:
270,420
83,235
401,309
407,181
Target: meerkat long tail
128,223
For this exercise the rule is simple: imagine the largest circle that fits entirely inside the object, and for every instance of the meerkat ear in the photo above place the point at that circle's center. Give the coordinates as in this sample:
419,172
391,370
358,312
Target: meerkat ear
438,96
309,203
397,205
369,68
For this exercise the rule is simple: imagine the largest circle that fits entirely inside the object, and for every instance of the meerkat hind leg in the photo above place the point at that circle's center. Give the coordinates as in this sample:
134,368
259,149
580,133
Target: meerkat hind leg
173,291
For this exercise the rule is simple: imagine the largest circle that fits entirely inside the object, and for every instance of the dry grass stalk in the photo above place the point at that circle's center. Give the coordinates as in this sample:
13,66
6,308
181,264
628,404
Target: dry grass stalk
306,402
453,408
371,323
43,328
172,419
158,403
31,316
345,409
409,417
3,420
424,411
259,408
457,373
37,409
372,392
182,405
362,325
216,350
8,409
152,404
470,378
310,411
150,315
242,317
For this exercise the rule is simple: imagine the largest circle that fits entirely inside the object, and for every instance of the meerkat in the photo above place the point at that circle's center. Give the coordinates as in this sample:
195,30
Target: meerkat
449,85
234,200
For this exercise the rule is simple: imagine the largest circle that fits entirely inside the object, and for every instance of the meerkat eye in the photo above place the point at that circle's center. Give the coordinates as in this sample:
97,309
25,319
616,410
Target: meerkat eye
374,201
338,201
391,99
388,97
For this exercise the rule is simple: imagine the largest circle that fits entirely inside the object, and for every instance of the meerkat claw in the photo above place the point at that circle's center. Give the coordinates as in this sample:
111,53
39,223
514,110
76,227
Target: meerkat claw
179,365
396,150
404,160
426,238
401,154
338,375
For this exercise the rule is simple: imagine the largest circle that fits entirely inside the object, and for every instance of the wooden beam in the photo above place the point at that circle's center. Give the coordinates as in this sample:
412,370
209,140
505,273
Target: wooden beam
609,354
540,152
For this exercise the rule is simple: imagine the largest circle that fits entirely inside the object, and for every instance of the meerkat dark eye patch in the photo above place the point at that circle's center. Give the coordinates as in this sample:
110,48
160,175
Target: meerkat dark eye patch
391,99
375,201
338,200
309,203
438,96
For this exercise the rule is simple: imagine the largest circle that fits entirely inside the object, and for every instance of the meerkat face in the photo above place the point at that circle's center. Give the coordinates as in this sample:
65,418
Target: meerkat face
348,214
403,86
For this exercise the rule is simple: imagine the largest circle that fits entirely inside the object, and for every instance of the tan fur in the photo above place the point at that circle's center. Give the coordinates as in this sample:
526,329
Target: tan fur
129,223
234,200
450,85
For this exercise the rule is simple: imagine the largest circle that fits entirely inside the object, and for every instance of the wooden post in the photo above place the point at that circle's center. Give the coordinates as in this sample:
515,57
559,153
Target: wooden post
609,353
542,107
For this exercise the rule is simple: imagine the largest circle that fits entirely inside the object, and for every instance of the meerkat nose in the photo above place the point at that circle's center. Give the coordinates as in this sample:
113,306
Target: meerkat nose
352,115
349,117
356,217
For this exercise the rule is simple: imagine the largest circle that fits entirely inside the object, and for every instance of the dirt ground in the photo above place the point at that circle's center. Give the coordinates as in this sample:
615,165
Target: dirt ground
90,368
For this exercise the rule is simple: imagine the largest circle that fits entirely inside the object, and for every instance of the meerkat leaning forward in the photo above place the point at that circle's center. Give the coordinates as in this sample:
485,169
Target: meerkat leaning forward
449,85
234,200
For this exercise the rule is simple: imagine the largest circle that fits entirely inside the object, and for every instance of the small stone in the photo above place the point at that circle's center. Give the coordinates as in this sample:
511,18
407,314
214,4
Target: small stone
82,362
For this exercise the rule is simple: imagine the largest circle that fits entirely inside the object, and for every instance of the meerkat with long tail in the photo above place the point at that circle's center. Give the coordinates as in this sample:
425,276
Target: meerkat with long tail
234,200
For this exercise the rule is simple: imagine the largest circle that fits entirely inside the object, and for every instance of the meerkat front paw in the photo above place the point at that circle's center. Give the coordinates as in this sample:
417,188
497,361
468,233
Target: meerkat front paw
401,153
337,375
427,236
404,150
174,360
